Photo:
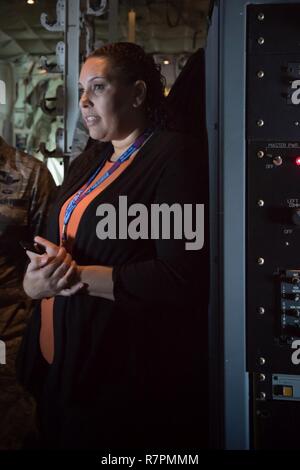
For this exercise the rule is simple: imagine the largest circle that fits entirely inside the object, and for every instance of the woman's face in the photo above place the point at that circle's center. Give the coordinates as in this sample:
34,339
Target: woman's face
106,103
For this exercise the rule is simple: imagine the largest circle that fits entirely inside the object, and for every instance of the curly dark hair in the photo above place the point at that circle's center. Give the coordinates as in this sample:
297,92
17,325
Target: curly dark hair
133,63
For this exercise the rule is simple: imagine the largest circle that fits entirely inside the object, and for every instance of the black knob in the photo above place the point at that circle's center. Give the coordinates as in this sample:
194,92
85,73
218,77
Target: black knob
296,216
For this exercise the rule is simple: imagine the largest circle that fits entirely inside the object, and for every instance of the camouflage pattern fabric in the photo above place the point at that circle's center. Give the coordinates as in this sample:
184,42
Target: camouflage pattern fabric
26,187
18,427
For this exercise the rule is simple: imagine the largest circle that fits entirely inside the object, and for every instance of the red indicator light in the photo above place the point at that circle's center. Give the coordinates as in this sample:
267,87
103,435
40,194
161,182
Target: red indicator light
297,161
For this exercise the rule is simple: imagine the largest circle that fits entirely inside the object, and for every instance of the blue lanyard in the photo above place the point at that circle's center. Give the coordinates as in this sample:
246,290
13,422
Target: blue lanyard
83,192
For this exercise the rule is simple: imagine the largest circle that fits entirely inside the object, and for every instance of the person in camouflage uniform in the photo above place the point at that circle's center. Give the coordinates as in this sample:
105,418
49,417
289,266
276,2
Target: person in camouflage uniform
25,189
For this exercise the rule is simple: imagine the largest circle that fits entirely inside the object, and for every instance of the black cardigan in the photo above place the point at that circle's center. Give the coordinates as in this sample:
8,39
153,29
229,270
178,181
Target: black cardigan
130,372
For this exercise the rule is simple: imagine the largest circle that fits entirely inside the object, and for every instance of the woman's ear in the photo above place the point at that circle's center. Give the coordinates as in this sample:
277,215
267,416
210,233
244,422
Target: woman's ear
140,92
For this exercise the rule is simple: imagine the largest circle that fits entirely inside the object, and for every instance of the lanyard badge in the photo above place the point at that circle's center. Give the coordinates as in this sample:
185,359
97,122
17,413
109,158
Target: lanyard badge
83,192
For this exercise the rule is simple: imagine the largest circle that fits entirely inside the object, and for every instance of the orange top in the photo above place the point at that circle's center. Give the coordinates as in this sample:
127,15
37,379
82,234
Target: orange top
47,333
83,204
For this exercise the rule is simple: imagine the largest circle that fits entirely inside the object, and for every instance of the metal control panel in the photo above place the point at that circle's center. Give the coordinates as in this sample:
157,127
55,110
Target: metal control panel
273,221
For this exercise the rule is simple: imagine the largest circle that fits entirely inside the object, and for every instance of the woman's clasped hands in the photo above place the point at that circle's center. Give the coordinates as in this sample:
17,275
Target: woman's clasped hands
53,273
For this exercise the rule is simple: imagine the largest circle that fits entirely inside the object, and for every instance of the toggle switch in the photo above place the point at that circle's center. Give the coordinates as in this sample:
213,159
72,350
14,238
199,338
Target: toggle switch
295,312
277,160
291,296
283,390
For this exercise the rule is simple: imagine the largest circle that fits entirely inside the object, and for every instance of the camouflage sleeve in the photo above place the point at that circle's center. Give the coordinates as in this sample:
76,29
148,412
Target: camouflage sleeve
43,193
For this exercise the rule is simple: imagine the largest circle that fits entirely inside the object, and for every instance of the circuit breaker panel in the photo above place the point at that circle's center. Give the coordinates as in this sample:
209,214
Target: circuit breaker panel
273,223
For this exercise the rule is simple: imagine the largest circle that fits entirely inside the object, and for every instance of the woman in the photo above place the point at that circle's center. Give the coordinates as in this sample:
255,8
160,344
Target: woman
116,353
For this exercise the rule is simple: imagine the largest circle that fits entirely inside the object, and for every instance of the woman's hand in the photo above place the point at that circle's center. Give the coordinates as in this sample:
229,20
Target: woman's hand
51,248
50,274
